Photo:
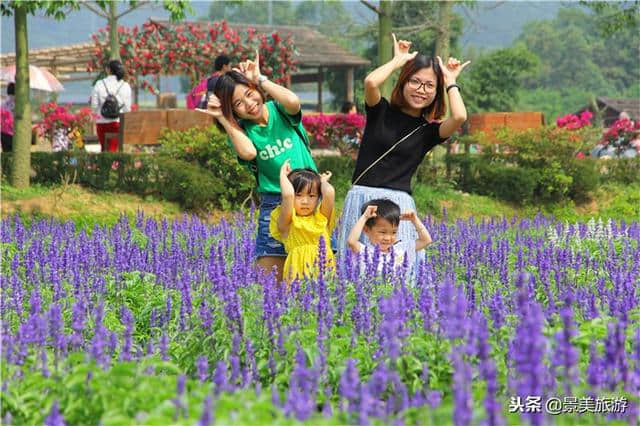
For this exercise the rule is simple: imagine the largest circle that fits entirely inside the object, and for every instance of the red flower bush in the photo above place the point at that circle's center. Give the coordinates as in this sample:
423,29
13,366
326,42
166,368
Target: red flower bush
621,135
189,49
342,131
56,116
572,121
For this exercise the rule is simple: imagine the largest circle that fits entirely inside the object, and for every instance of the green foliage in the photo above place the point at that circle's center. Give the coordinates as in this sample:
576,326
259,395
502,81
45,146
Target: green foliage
575,59
56,9
173,179
539,166
614,17
509,183
208,149
493,80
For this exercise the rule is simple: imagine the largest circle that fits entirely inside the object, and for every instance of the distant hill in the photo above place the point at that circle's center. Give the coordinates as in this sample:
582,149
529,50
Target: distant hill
494,25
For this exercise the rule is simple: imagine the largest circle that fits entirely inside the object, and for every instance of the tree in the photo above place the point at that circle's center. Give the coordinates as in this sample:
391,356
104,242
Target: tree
493,82
278,12
109,11
613,17
21,161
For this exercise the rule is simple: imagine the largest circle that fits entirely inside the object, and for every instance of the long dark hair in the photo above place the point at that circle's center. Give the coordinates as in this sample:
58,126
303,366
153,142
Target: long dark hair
436,109
116,68
223,90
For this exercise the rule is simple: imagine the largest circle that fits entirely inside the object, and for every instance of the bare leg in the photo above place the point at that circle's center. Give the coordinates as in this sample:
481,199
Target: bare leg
268,262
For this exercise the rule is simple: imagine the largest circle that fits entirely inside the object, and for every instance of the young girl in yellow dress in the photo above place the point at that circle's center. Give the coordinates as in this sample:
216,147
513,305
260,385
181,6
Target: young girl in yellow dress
305,214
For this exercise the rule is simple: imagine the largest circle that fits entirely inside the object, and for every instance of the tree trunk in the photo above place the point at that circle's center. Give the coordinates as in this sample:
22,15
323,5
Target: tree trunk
442,50
385,44
444,30
114,43
22,114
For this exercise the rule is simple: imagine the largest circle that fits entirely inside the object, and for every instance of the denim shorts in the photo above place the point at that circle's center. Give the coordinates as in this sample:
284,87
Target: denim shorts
266,245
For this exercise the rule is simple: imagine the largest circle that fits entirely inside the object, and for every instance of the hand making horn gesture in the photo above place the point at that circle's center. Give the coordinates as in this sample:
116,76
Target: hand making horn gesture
214,107
452,70
401,51
250,69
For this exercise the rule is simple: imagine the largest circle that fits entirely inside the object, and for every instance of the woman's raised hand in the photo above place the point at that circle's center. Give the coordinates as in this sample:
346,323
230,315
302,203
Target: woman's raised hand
250,69
214,107
401,51
452,70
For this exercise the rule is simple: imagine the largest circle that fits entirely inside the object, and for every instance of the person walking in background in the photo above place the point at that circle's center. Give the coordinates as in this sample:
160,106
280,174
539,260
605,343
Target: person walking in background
263,134
400,132
7,107
110,97
197,97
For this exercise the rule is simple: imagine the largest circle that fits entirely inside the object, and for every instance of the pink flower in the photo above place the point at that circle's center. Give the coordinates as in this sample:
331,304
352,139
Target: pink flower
115,165
137,164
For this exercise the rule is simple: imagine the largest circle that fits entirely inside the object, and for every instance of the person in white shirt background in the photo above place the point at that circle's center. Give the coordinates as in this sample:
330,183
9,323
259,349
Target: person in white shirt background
113,84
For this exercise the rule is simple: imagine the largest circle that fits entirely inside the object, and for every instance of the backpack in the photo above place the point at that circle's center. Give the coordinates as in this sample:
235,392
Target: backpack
111,107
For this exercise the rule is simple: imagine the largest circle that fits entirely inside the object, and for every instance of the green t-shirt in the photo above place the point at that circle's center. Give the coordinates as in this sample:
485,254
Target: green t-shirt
275,143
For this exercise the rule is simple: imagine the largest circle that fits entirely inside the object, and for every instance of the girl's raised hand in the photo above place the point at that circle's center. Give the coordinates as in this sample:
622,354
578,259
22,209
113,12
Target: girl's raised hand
285,169
452,70
324,177
214,107
401,51
250,69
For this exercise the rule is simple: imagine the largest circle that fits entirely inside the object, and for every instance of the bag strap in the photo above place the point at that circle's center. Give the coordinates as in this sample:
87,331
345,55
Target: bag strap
355,182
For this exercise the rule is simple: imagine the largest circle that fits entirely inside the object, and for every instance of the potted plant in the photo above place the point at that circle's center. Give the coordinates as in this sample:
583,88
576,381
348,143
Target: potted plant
63,126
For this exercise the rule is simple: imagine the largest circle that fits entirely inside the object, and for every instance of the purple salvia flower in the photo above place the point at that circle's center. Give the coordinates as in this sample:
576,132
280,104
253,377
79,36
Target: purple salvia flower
566,354
207,414
202,365
220,378
462,412
349,386
54,418
127,321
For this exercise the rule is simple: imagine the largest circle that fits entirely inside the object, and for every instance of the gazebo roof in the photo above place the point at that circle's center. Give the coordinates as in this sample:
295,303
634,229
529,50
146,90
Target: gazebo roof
313,48
60,60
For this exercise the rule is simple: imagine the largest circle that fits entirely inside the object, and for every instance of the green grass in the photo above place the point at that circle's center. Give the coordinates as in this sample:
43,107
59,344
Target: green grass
86,207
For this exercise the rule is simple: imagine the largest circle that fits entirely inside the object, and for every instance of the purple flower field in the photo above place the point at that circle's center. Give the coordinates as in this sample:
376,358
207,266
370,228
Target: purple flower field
155,322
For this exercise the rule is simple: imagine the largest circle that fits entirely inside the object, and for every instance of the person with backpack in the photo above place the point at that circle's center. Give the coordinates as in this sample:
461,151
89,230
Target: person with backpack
264,134
197,98
110,97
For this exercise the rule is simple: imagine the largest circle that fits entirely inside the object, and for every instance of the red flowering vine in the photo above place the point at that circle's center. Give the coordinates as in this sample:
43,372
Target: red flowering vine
335,130
190,48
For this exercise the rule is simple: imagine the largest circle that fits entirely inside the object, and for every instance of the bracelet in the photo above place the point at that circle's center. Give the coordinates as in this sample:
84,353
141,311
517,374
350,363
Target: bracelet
451,86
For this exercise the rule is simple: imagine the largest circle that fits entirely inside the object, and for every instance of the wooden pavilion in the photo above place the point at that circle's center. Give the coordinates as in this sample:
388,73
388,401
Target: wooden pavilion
315,53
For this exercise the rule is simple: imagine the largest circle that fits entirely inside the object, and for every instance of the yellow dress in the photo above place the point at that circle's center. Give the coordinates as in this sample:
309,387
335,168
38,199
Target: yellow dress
301,244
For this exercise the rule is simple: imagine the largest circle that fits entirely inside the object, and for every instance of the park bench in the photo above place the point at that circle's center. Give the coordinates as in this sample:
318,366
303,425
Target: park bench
144,127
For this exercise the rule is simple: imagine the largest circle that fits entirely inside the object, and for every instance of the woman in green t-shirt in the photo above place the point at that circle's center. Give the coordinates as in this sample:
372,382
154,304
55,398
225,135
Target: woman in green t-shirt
266,134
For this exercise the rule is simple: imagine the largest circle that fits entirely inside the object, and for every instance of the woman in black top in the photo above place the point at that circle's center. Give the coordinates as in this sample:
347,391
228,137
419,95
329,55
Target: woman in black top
398,134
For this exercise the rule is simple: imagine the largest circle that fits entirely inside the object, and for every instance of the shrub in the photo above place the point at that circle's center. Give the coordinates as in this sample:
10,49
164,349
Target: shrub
513,184
209,149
